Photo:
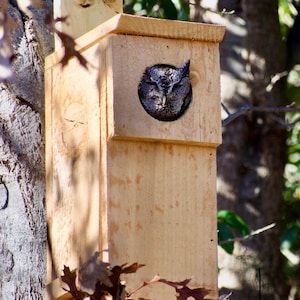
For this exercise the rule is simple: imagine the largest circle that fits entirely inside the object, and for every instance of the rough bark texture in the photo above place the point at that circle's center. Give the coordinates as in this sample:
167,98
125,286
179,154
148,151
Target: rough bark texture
252,157
22,214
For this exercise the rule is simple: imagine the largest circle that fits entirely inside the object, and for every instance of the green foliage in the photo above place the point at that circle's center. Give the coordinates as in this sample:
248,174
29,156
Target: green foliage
230,223
290,245
290,237
225,234
287,13
293,85
164,9
290,242
292,168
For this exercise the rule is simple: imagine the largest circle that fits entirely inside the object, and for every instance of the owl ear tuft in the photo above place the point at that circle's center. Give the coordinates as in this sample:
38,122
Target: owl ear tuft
185,68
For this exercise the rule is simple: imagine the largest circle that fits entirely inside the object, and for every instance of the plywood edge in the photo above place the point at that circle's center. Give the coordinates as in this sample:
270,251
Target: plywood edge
170,28
144,26
213,144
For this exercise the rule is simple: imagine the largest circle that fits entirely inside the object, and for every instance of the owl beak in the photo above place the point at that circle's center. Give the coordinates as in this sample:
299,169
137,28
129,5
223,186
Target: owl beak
164,100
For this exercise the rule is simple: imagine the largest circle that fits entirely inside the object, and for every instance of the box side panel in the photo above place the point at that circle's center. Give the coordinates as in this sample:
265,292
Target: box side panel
73,143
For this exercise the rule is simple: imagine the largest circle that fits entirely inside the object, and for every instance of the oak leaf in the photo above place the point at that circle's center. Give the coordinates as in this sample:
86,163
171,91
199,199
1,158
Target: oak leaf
69,277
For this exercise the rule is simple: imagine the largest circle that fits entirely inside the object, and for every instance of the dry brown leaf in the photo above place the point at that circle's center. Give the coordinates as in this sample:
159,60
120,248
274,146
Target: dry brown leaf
69,277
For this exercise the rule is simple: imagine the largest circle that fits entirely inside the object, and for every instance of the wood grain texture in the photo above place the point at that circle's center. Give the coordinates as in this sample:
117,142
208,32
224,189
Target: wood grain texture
72,163
128,119
123,181
144,26
162,213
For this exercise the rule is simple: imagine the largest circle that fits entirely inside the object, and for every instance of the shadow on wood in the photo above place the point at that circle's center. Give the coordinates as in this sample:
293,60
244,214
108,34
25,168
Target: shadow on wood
121,180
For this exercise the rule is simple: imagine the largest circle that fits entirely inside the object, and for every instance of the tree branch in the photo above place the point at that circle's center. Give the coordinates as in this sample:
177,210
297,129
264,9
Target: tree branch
248,107
246,237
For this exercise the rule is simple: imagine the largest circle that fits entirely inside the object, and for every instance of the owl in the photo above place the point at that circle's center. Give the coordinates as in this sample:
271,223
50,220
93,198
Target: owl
165,91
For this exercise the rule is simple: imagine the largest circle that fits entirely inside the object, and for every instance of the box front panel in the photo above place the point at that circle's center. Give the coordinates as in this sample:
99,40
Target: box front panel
131,55
162,213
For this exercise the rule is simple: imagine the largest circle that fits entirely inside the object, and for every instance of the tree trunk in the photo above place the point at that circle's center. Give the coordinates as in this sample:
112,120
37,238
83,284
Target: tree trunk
252,157
22,206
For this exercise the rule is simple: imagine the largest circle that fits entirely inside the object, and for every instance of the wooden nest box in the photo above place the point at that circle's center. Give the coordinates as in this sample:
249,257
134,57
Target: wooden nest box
119,179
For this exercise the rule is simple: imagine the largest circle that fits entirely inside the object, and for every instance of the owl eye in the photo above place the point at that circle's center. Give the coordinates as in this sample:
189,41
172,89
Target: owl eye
180,83
151,81
154,81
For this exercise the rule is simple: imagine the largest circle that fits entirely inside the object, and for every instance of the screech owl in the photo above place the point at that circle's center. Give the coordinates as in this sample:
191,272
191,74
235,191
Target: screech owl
165,91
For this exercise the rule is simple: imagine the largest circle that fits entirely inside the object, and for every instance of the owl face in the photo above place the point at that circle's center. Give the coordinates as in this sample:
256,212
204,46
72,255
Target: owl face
165,91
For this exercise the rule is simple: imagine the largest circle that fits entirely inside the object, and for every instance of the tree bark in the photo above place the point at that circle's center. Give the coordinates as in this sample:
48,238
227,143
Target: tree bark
22,211
252,157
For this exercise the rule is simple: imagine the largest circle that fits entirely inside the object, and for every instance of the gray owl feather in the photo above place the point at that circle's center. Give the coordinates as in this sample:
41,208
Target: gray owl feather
165,91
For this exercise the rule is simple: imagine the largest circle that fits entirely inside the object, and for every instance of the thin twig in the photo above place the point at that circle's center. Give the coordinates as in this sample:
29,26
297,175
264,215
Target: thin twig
274,79
252,233
233,116
223,12
293,290
249,107
226,109
259,283
225,297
